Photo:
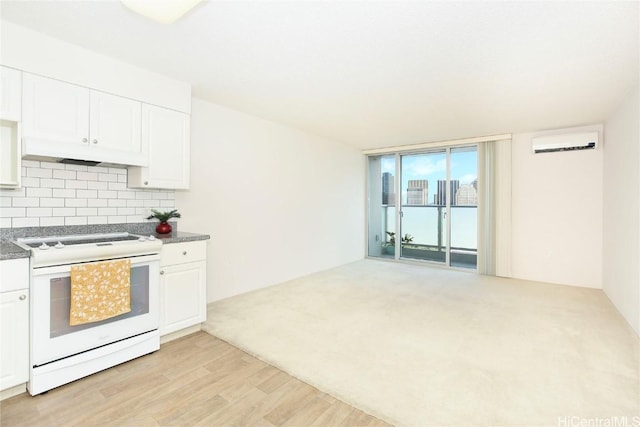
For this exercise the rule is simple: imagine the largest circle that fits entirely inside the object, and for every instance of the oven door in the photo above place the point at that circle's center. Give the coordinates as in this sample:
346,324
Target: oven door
52,337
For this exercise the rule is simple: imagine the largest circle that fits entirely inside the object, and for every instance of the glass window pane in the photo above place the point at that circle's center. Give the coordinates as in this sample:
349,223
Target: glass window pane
464,207
381,206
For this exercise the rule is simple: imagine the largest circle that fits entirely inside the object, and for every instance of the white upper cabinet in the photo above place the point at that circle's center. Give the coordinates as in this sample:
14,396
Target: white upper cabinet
62,120
10,94
115,125
55,114
10,129
165,135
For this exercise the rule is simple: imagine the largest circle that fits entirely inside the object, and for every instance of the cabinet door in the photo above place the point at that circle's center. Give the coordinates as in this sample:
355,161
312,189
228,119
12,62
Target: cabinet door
182,296
115,128
55,116
165,136
14,338
10,94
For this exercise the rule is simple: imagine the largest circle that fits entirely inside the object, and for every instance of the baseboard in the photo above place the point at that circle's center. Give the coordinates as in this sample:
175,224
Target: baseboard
13,391
181,333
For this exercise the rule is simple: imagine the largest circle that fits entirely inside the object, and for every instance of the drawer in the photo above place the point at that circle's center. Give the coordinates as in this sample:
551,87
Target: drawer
179,253
14,274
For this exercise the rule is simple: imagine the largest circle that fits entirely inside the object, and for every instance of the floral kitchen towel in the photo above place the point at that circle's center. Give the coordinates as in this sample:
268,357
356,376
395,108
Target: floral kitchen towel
100,290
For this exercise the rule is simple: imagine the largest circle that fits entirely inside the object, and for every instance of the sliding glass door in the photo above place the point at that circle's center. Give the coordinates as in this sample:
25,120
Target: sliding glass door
423,212
423,206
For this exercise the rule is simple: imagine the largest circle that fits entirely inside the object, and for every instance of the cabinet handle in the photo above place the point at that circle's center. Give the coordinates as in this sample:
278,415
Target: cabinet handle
184,252
85,140
95,141
146,183
161,272
22,297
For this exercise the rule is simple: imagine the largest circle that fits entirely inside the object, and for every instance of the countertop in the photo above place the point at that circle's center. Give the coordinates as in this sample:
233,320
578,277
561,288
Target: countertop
9,250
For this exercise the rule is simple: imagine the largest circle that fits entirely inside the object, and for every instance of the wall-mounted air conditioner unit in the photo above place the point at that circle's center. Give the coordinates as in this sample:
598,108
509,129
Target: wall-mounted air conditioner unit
565,142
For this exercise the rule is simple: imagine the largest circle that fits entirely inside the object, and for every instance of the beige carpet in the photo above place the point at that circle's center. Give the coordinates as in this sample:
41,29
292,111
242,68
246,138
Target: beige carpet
421,346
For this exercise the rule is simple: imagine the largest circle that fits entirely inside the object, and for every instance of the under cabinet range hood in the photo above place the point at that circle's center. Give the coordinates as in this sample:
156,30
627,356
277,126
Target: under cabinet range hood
62,120
79,162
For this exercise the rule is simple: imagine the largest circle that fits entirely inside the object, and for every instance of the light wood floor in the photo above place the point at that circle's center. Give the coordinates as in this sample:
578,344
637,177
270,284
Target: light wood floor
195,380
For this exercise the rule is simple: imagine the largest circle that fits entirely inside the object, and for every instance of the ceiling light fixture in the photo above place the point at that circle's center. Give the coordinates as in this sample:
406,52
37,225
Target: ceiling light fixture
163,11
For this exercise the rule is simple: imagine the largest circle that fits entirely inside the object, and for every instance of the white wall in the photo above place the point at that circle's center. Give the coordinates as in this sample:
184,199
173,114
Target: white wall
277,202
557,213
37,53
621,278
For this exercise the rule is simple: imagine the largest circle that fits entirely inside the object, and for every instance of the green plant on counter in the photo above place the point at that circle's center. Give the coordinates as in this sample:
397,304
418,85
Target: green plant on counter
164,216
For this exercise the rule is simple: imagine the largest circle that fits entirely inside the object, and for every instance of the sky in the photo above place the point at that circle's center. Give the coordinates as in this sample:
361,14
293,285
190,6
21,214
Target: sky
432,166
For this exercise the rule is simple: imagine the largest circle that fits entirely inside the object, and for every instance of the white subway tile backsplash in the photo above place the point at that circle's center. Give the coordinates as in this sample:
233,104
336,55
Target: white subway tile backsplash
63,211
117,203
39,192
51,203
39,172
25,222
80,168
117,186
107,211
63,194
126,211
22,202
51,221
13,192
75,220
75,203
135,203
106,194
87,176
74,183
39,212
49,165
118,171
64,174
52,183
14,212
99,220
30,164
87,194
107,177
97,203
28,181
87,211
126,195
97,185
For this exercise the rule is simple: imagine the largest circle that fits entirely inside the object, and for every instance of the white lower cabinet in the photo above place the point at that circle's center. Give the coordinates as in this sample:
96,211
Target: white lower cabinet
183,287
14,322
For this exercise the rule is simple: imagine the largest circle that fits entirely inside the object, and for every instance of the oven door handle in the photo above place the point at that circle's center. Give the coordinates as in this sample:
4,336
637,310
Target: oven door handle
66,268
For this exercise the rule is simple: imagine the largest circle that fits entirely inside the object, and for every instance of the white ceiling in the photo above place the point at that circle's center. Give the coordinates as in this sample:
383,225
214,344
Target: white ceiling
374,73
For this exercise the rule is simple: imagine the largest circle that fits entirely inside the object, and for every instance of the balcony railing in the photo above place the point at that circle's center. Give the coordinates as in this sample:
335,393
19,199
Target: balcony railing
427,225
